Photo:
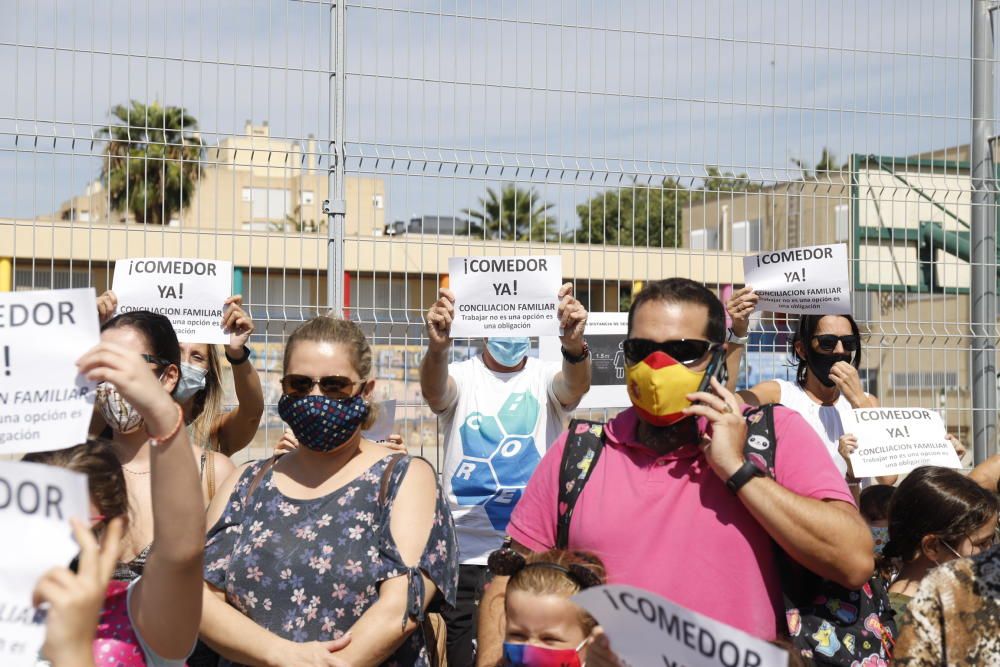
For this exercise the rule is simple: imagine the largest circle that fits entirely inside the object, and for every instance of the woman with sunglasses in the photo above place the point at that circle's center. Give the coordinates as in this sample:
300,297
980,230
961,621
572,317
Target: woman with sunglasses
935,516
330,553
827,350
153,337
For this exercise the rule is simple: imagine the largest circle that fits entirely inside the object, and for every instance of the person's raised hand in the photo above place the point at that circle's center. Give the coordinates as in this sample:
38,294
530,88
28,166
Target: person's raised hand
572,320
957,444
395,442
846,446
132,376
75,600
313,654
287,443
724,450
237,322
845,377
107,303
599,653
439,319
740,307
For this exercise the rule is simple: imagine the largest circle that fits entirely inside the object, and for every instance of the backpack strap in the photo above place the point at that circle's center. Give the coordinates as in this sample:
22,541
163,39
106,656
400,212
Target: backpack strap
257,478
383,489
761,443
584,443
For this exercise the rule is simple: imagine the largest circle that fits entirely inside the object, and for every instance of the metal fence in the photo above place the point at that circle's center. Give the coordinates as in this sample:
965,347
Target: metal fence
638,140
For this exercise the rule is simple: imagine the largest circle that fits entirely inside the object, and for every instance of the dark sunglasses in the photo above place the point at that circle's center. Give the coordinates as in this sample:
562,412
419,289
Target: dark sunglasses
332,386
159,362
505,562
828,342
688,351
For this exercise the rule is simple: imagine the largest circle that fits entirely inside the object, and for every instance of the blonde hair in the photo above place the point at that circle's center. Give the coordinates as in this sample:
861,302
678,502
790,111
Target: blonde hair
206,412
551,581
324,329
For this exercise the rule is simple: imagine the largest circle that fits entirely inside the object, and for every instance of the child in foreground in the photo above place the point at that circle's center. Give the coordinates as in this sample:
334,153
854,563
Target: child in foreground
544,628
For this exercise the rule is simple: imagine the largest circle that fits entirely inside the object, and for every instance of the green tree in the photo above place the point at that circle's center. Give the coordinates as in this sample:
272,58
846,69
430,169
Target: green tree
516,214
718,183
152,160
636,215
827,164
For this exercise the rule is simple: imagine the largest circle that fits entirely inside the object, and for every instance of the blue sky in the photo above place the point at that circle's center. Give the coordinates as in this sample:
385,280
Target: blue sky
567,97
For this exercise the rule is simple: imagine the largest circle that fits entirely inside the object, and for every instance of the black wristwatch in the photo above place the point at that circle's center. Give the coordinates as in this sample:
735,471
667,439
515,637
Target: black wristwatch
747,471
242,360
576,359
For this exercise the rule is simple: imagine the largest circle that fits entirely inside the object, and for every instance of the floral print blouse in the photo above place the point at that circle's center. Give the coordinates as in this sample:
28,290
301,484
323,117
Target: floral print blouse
308,569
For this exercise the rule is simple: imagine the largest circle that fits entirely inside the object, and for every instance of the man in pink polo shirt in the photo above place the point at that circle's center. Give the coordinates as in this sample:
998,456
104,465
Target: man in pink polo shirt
672,506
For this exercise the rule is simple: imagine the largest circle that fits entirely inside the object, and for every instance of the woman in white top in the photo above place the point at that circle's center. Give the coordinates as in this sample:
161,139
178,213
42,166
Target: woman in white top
827,349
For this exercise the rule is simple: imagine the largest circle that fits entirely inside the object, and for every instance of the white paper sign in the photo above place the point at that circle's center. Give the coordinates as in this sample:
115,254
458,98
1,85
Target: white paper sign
894,441
44,402
645,630
605,334
36,502
384,422
191,292
505,296
811,280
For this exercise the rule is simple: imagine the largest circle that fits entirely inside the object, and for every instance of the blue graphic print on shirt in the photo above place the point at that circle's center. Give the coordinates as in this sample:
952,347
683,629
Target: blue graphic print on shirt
499,455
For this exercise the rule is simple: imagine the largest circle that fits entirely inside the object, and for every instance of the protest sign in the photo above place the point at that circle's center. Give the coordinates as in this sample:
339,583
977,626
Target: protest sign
45,403
505,296
384,422
190,292
36,501
605,334
645,629
894,441
812,280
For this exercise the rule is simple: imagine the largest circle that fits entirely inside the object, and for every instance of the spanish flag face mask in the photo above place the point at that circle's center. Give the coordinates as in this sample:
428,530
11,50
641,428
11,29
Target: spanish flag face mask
658,387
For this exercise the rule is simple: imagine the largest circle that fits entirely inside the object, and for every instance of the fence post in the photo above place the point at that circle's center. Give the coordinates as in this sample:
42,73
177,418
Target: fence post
335,205
984,245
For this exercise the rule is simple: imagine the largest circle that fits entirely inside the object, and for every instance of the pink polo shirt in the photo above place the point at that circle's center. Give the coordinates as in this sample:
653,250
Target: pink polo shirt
668,524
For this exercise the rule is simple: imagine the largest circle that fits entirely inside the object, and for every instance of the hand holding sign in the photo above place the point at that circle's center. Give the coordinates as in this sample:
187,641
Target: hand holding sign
239,325
572,320
75,600
505,296
439,319
893,441
809,280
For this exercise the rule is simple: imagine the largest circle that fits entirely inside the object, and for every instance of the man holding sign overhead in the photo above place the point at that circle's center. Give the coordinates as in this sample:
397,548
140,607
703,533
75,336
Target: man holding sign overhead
499,412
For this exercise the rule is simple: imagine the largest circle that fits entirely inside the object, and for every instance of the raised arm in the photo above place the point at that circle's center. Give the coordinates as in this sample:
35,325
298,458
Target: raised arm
166,602
740,307
573,381
828,538
237,429
438,388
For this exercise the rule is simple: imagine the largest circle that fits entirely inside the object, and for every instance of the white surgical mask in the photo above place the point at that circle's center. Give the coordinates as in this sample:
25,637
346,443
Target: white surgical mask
192,381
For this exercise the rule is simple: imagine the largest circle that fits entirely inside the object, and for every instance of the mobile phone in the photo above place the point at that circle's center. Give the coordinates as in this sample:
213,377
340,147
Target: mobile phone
716,369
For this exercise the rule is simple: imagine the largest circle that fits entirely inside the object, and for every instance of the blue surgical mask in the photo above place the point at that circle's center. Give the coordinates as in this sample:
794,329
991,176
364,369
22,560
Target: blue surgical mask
508,352
192,381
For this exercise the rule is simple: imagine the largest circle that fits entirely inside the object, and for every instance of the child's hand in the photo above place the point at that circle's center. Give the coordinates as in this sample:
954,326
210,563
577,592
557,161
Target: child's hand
599,653
76,599
957,444
395,443
846,446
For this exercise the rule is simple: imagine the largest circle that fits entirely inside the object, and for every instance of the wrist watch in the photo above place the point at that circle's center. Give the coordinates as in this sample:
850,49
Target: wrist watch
736,340
576,358
746,472
241,360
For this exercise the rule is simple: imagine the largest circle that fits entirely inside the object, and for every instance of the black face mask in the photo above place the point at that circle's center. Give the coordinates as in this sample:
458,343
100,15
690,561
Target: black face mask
820,364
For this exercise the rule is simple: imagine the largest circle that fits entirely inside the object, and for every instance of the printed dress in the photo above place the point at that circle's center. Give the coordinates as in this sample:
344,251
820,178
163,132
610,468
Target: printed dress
308,569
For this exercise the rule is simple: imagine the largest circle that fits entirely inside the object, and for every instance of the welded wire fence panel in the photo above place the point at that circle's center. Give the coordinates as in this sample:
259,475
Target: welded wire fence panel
637,140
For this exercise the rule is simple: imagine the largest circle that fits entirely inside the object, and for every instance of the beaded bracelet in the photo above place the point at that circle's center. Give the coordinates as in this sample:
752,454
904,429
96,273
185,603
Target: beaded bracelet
156,442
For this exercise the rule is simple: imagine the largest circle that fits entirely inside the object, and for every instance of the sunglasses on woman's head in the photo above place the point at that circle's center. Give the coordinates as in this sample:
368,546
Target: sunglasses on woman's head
332,386
160,362
687,351
828,342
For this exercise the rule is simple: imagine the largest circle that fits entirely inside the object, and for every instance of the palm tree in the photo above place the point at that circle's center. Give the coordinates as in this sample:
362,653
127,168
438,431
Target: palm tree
152,162
515,214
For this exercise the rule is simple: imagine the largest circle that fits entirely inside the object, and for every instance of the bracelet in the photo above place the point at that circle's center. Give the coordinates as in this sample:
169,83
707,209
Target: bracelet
575,359
242,360
157,441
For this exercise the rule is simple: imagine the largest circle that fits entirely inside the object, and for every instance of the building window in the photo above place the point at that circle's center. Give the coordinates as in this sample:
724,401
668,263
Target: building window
704,239
842,233
269,203
308,197
746,236
26,279
933,381
378,201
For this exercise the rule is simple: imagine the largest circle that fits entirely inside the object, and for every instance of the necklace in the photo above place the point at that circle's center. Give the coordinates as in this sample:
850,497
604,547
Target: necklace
133,472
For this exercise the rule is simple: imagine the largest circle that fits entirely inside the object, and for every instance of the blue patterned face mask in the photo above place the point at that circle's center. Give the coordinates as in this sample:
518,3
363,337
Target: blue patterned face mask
508,352
320,423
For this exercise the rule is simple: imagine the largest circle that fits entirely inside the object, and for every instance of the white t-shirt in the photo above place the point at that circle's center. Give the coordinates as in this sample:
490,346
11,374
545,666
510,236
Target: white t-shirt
495,433
826,420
